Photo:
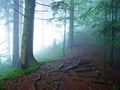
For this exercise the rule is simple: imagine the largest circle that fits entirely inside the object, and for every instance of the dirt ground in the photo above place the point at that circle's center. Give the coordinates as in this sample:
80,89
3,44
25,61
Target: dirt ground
81,69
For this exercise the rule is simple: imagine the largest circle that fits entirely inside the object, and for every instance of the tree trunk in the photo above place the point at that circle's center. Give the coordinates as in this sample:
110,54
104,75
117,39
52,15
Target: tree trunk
112,34
20,25
105,53
27,58
64,41
71,26
16,35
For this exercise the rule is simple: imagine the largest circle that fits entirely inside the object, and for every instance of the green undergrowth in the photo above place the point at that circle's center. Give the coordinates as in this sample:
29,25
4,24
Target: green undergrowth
14,74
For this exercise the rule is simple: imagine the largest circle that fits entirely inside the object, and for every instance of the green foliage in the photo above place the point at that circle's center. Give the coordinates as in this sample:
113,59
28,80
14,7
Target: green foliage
116,87
58,5
86,14
12,74
114,42
104,29
102,22
29,70
15,73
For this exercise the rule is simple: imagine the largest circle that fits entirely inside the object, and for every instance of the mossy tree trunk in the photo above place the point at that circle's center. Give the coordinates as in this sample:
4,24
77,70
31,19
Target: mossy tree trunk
27,58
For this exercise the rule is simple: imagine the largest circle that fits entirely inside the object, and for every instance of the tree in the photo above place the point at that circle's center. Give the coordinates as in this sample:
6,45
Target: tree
114,28
71,25
16,34
5,9
107,25
27,58
110,26
7,15
21,16
62,7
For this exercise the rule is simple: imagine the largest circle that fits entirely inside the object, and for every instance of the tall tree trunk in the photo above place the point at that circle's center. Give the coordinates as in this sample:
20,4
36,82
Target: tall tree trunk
64,41
105,53
16,35
20,25
71,26
27,58
7,14
112,34
8,39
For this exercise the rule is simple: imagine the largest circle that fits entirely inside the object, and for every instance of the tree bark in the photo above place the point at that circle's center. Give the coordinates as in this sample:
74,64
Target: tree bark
27,58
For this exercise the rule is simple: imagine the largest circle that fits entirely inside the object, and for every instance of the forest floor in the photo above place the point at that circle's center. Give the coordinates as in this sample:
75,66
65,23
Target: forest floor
81,69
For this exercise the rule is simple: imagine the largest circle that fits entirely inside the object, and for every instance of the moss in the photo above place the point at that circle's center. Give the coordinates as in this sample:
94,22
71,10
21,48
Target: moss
14,74
29,70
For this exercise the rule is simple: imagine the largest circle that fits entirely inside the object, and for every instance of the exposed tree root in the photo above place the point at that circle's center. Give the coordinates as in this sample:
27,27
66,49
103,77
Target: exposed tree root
84,62
61,66
102,82
35,82
87,76
72,67
85,70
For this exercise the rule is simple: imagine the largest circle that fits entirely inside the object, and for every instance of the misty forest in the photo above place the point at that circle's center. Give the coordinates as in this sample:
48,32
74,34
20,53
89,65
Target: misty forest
59,45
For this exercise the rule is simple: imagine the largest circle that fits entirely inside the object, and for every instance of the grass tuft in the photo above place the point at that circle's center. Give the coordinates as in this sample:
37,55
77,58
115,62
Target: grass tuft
14,74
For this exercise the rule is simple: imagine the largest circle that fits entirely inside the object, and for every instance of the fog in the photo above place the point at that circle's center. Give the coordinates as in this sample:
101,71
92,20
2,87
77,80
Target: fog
89,22
59,42
45,32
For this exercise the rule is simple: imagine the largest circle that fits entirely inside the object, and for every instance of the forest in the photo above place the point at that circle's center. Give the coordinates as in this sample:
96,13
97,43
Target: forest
59,45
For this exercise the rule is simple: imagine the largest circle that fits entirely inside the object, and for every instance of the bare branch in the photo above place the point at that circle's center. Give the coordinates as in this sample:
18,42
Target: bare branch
43,4
19,12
